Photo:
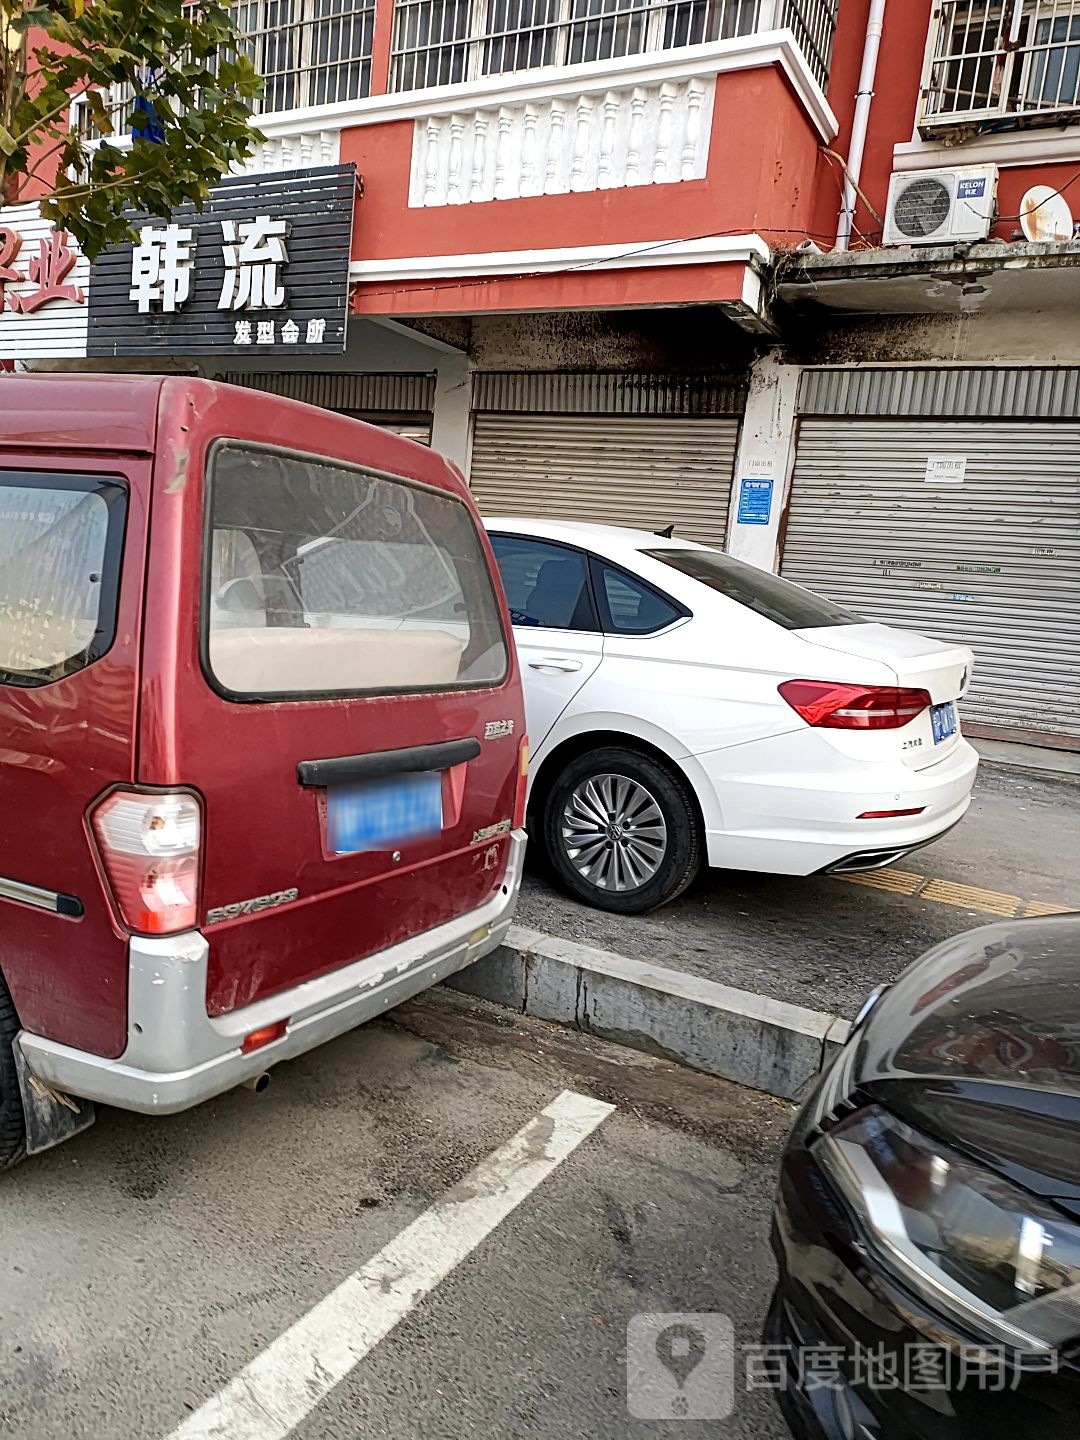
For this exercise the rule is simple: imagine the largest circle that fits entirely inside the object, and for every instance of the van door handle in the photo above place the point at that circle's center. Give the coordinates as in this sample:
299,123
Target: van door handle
556,662
341,769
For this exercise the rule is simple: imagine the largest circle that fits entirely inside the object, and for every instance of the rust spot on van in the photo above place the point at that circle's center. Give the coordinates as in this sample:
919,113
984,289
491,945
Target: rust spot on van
180,474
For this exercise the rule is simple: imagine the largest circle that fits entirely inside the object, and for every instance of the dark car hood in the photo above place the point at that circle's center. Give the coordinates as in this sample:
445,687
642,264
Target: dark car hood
978,1043
1000,1003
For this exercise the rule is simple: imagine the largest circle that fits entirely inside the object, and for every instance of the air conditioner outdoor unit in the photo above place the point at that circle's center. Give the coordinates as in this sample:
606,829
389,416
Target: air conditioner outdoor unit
937,207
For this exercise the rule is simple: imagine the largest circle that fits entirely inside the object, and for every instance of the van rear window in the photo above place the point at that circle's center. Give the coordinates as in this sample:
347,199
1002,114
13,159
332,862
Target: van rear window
322,579
60,542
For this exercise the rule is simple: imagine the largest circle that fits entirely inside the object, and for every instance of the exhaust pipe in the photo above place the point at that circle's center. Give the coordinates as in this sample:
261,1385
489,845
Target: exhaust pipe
258,1084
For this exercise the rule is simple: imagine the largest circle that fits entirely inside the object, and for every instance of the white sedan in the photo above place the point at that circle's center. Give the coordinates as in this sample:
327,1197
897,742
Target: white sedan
686,707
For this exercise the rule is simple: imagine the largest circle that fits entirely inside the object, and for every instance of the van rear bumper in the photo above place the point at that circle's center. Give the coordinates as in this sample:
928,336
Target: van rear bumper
178,1056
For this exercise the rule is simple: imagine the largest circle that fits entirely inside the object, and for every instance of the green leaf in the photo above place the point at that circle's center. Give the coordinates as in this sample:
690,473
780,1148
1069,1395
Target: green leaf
100,115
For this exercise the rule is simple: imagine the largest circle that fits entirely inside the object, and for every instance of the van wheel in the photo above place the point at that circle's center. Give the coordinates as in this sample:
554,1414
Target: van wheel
12,1124
621,831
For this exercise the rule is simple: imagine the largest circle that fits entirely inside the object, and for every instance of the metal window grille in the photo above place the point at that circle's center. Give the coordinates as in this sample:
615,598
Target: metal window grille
309,52
992,59
813,23
443,42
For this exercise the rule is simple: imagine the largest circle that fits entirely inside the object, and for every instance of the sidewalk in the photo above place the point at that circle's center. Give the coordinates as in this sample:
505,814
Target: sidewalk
826,942
754,977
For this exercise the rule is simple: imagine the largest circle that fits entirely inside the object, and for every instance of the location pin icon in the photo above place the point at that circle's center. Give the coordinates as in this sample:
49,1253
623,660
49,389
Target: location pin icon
680,1349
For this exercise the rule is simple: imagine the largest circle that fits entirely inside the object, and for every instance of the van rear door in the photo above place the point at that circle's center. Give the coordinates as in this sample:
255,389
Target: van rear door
72,541
355,732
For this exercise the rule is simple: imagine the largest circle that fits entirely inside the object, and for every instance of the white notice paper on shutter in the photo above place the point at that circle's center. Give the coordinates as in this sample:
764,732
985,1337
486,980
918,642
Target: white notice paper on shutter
946,469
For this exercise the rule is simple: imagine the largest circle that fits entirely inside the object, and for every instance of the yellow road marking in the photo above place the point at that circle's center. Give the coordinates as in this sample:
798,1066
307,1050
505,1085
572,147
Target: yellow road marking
901,882
970,897
948,892
1040,907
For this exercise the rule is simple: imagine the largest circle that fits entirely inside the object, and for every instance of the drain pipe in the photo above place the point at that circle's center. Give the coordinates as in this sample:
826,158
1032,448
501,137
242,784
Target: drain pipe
860,122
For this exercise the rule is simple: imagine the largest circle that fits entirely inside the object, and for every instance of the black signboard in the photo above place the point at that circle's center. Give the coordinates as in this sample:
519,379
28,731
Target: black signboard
263,270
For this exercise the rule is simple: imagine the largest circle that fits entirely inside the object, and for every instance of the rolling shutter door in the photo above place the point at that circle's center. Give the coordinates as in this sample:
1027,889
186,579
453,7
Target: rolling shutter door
399,402
992,562
646,471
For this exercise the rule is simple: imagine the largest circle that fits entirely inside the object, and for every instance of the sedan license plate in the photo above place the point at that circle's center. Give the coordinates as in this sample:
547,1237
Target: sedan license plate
943,721
380,814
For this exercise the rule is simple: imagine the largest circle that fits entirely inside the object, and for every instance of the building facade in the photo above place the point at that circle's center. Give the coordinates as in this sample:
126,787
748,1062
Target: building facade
627,260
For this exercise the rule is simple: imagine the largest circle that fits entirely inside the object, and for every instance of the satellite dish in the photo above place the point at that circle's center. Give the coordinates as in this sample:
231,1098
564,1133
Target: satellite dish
1045,215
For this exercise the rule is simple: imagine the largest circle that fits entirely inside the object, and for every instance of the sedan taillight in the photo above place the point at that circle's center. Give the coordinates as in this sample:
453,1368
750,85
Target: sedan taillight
831,705
150,850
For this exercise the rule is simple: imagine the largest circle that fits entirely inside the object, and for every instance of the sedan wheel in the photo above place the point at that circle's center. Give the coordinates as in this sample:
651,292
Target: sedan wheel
614,832
621,831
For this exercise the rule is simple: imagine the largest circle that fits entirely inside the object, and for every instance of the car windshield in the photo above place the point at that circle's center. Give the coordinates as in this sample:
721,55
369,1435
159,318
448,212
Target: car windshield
778,600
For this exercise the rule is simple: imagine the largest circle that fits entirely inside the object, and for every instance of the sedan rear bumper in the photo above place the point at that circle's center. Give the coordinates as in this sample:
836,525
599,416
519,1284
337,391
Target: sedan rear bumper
177,1055
769,807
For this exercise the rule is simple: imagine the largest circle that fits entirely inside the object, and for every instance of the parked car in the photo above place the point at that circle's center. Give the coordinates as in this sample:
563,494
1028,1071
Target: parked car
262,766
685,708
929,1206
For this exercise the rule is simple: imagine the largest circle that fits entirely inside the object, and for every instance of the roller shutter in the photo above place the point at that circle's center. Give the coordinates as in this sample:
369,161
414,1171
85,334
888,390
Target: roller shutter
992,561
399,402
646,471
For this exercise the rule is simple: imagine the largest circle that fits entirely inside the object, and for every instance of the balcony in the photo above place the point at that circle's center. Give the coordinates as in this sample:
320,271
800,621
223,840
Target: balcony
995,61
445,42
322,59
325,52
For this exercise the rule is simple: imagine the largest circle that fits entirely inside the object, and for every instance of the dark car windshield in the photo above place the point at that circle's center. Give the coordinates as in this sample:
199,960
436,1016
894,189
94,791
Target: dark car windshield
777,600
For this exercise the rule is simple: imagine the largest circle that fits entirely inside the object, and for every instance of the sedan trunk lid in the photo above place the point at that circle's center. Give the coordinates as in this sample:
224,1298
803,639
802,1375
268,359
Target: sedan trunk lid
919,663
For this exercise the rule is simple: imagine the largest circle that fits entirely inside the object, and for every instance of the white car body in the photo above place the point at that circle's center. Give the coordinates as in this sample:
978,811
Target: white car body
775,793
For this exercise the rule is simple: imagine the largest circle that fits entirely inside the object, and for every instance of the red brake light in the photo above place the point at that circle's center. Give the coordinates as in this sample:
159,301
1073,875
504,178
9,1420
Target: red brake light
831,705
149,846
889,814
522,783
265,1035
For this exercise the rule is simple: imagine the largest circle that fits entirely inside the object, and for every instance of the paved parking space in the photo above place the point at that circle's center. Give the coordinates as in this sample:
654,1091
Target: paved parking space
823,942
144,1266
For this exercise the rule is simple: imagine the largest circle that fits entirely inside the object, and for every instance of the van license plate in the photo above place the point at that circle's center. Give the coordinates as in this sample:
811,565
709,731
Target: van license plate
943,721
379,814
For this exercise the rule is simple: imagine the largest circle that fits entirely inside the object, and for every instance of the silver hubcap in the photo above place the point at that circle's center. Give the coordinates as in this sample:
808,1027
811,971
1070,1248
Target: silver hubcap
614,832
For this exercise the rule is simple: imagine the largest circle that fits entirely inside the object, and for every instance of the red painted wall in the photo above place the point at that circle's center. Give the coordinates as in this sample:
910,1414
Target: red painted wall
760,173
892,116
563,290
43,158
892,120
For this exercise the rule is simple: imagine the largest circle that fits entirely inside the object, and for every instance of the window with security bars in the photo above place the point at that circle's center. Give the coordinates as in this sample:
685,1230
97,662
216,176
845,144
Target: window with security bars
309,52
444,42
318,52
992,59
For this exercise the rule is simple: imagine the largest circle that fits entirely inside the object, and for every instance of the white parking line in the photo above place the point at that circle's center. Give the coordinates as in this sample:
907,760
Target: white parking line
287,1380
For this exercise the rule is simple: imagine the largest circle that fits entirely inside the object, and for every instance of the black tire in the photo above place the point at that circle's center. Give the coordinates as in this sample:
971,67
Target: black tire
677,863
12,1124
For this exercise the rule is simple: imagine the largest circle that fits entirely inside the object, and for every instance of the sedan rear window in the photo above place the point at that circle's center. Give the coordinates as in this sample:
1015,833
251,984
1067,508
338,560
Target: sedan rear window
60,543
768,595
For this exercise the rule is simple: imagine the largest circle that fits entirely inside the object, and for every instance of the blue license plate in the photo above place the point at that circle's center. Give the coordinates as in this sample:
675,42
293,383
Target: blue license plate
380,814
943,721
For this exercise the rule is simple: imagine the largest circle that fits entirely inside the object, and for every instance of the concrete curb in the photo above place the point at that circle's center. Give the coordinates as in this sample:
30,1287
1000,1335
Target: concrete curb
751,1039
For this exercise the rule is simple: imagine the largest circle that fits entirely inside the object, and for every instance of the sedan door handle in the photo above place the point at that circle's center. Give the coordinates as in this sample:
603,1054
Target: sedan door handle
556,662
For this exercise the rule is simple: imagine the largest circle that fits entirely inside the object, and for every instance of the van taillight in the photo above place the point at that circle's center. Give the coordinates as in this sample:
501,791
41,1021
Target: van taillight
831,705
149,847
522,783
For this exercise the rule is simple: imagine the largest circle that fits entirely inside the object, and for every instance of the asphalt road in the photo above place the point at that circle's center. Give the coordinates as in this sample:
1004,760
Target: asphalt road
826,943
145,1264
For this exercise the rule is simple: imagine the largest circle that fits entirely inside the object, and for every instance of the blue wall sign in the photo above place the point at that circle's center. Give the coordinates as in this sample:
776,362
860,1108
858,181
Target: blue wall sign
755,502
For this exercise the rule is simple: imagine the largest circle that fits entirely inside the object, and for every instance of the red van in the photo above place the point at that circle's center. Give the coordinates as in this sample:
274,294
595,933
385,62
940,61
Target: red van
262,752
